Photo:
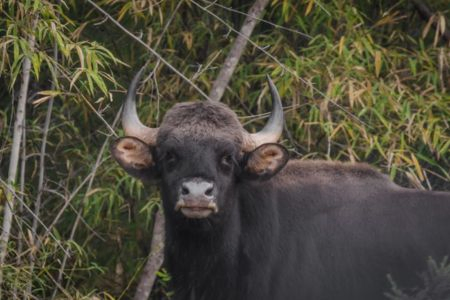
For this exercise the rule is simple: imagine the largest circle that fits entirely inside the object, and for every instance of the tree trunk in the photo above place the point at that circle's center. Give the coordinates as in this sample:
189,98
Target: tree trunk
155,260
221,83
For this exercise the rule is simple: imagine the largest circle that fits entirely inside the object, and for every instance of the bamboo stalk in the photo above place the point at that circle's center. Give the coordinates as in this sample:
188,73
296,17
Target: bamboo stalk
15,153
20,235
42,153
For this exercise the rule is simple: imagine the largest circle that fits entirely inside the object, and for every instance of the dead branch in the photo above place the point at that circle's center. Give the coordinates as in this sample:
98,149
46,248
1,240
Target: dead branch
237,49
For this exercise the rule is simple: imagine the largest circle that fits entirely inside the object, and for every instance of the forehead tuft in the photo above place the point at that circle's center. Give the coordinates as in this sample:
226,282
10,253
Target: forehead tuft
201,120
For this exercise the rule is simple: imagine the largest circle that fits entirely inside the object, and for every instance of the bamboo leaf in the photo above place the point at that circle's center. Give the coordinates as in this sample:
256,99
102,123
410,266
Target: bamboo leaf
41,100
378,63
309,7
36,62
75,78
442,25
417,166
428,26
341,44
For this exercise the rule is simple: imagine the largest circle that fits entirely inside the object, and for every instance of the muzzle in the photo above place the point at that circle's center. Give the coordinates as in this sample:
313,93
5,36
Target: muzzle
197,198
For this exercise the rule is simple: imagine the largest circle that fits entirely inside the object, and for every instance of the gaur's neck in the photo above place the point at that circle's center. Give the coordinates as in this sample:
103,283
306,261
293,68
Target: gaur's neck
205,237
194,256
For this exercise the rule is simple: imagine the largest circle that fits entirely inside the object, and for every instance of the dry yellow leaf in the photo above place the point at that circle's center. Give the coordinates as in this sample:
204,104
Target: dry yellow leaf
428,26
187,38
341,44
417,167
41,100
309,7
442,24
377,63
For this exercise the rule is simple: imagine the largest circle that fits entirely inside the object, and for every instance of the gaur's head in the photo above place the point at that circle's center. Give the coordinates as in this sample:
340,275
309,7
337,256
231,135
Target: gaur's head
198,154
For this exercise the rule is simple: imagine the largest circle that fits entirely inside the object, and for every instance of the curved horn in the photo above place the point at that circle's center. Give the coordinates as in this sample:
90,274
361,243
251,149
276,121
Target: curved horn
274,127
130,120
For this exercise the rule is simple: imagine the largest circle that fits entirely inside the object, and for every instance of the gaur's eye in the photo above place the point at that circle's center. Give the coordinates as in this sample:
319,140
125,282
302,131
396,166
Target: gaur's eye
226,160
171,159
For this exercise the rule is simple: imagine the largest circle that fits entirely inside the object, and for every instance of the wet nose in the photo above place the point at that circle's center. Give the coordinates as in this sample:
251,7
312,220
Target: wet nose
197,188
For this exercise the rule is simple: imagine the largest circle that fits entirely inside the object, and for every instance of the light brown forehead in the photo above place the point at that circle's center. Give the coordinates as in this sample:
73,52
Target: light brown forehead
201,120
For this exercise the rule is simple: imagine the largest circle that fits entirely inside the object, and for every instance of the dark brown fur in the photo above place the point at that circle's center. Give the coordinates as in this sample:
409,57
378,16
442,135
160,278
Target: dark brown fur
201,120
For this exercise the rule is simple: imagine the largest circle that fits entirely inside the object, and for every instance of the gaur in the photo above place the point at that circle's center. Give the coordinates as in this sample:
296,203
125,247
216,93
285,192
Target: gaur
245,222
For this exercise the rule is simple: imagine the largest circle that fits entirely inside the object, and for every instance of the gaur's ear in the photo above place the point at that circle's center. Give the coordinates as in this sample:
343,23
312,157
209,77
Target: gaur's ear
265,161
135,157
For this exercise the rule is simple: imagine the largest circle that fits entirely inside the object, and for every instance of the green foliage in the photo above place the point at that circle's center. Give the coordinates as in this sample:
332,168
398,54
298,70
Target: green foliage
81,64
435,284
366,86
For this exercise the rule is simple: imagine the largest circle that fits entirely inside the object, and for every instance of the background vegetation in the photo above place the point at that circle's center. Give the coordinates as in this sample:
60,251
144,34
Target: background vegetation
360,80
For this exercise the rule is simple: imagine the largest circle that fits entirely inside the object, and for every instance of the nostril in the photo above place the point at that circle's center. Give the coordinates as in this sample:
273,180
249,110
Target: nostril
209,191
196,189
184,190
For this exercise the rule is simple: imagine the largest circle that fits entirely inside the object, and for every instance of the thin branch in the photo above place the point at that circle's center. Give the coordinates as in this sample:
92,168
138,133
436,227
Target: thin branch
155,260
111,130
42,154
15,149
58,286
166,26
236,51
40,190
149,49
77,213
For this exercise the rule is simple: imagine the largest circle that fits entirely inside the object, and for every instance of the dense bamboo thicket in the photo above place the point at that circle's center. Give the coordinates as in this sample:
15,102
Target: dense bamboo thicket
360,81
